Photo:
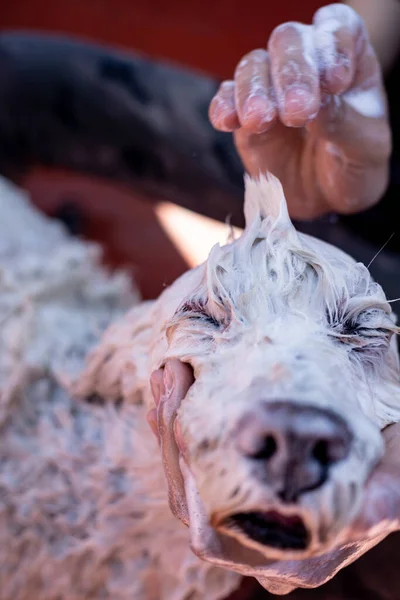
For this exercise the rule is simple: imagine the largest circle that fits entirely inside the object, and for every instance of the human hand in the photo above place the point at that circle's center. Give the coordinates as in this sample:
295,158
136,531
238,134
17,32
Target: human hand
312,110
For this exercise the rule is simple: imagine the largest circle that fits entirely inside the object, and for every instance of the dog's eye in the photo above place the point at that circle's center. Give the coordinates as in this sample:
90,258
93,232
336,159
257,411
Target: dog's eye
368,330
198,310
355,329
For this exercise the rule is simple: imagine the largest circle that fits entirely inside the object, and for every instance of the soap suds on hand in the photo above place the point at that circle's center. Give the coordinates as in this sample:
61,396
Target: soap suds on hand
326,43
346,15
368,103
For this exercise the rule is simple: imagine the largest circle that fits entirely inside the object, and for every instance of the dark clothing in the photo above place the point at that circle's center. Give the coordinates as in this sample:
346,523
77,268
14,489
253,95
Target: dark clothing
377,224
65,103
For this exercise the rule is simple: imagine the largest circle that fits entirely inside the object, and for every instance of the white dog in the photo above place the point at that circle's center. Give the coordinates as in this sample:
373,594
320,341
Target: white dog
296,372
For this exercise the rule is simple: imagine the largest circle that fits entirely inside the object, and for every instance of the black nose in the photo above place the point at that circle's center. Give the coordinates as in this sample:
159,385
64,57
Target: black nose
293,447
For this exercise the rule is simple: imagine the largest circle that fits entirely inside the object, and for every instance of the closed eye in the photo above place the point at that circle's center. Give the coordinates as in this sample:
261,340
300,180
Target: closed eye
197,310
370,329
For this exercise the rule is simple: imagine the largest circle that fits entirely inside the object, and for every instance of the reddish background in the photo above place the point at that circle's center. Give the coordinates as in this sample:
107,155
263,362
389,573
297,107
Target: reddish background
210,35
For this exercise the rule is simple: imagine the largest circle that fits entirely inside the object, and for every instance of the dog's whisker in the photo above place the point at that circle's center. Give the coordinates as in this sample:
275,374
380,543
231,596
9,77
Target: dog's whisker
380,250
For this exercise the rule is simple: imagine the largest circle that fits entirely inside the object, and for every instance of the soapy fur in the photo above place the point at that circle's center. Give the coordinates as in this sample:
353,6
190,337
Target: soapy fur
84,510
83,505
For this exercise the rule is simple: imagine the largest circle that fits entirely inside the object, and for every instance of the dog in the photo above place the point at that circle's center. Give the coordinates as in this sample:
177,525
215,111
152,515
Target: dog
296,372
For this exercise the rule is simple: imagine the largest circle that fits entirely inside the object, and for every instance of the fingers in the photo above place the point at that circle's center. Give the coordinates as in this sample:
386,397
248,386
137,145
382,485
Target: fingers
337,35
304,64
347,59
282,82
354,117
351,133
222,111
295,73
349,68
169,386
254,96
249,100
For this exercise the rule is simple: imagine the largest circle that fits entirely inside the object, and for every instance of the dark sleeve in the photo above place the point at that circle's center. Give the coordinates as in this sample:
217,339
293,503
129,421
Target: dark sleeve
83,107
378,223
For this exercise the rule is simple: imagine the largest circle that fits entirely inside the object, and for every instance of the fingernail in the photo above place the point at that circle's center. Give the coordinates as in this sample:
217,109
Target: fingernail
169,382
251,106
226,121
339,76
256,106
298,99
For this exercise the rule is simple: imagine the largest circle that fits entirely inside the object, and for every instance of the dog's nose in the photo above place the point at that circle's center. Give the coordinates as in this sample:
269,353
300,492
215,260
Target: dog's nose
293,447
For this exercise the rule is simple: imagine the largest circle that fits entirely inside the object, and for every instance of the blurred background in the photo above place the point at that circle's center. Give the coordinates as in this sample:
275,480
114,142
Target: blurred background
107,136
209,36
103,118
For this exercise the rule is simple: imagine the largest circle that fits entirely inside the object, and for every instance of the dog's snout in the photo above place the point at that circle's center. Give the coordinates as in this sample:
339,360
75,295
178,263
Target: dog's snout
293,447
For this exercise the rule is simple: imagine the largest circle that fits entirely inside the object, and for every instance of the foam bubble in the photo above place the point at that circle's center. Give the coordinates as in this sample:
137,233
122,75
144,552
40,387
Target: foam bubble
368,103
325,42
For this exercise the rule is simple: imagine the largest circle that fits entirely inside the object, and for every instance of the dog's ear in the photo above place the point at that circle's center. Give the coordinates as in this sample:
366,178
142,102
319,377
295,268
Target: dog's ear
265,201
169,387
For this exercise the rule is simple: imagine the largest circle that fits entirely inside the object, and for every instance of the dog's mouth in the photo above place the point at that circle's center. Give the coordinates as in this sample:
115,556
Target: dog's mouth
273,529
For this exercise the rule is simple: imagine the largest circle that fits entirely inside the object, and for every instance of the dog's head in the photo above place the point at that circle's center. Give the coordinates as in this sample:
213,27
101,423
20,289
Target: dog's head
296,372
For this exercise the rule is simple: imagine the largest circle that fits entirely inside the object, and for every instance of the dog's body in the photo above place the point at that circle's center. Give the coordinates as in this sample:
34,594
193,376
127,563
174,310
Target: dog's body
84,508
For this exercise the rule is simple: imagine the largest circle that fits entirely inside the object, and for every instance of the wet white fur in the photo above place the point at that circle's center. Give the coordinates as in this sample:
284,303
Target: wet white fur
84,511
84,501
277,295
